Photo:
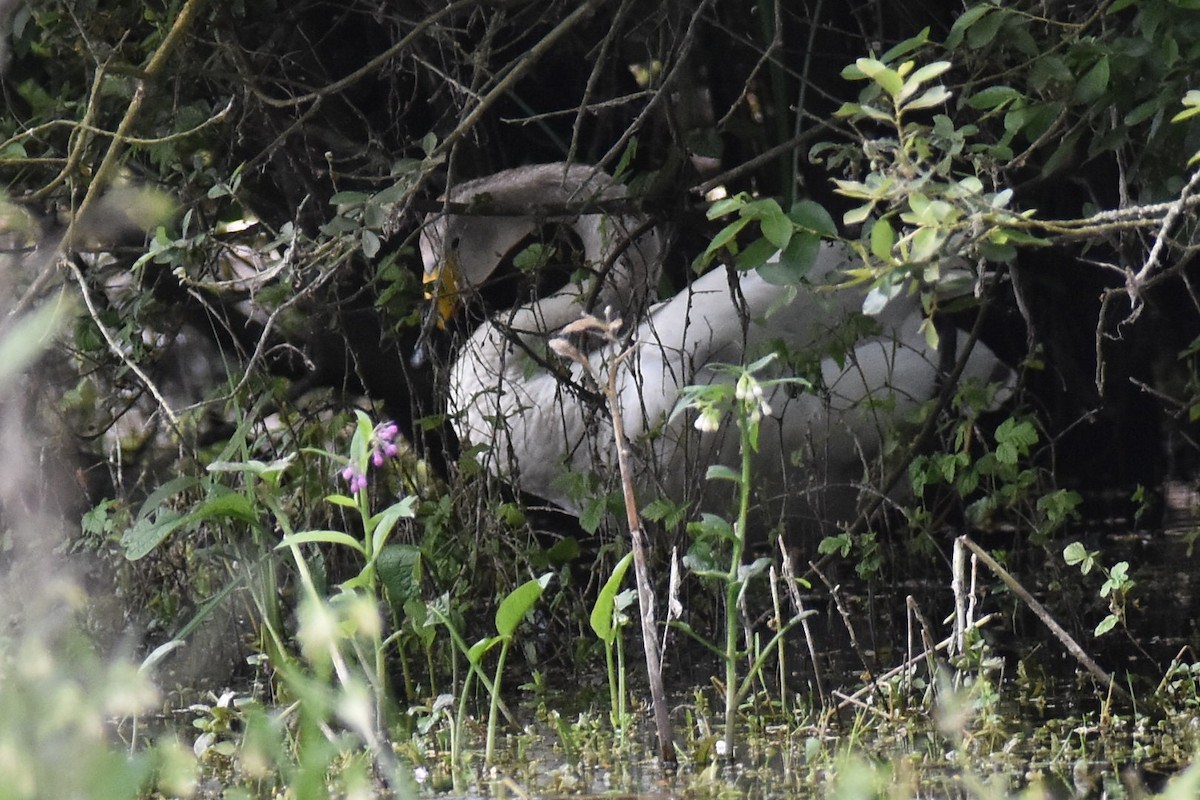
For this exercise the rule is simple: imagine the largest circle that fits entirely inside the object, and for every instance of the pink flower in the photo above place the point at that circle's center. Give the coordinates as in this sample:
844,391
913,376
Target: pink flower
354,478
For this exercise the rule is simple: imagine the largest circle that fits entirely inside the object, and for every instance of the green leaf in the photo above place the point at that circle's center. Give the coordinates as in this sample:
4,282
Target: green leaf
721,472
755,254
933,96
983,32
926,244
993,97
399,570
168,489
812,216
777,228
727,205
1106,625
370,243
725,236
883,238
905,47
964,22
149,533
1191,102
349,198
322,537
922,76
888,79
1074,553
602,612
480,648
856,216
514,607
794,261
835,545
381,524
1094,84
1144,111
226,505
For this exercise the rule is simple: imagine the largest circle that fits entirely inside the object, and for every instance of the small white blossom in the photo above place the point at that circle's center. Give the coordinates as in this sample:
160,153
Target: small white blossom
709,420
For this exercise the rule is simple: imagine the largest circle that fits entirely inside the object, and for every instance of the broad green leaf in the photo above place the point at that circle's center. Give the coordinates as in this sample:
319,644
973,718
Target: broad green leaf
888,79
229,505
812,216
349,198
381,524
857,216
168,489
794,261
983,32
370,243
753,569
755,254
993,97
564,551
727,205
1074,553
1106,625
777,228
726,235
1191,102
322,537
926,74
254,466
149,532
602,612
514,607
914,82
1144,111
399,569
926,244
477,651
905,47
721,472
1094,83
883,238
934,96
964,22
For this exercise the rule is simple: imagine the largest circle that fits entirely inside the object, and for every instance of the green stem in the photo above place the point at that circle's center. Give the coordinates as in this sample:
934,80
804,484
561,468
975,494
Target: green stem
493,710
456,734
612,684
733,584
622,693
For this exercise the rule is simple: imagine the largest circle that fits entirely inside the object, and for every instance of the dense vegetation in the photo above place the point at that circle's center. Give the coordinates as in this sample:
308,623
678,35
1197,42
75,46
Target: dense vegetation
216,435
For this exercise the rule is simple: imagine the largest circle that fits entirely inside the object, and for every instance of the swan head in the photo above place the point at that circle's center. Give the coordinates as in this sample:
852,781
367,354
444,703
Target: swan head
461,250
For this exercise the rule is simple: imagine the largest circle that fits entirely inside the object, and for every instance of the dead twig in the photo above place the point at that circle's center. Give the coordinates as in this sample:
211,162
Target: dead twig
1038,609
647,604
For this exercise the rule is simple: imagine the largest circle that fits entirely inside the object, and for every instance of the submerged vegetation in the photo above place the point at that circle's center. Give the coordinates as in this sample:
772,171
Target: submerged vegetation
241,557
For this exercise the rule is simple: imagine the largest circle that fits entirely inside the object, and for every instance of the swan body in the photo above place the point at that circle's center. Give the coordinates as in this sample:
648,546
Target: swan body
534,425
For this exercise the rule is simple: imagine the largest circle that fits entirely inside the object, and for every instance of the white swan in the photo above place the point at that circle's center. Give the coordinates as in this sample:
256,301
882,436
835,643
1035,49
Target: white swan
533,426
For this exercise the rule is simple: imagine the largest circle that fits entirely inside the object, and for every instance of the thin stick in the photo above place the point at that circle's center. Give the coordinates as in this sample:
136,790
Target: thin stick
1059,632
835,592
957,586
789,575
909,663
647,605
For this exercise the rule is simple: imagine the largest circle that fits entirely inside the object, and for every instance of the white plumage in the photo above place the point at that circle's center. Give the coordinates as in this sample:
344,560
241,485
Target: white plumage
534,426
